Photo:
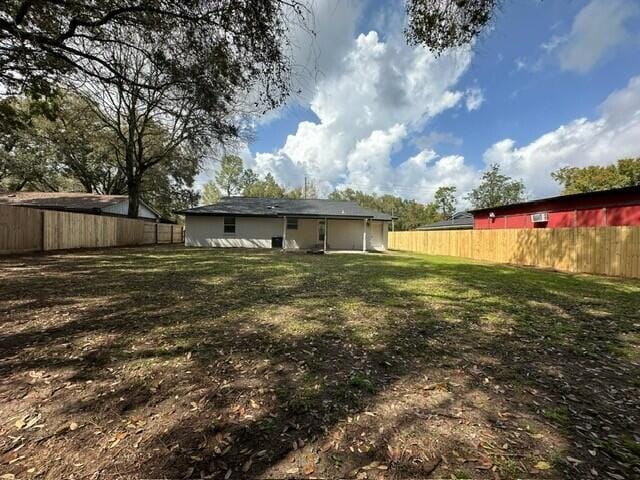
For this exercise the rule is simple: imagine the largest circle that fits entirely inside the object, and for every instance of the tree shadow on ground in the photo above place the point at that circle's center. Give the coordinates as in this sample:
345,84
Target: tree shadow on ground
177,363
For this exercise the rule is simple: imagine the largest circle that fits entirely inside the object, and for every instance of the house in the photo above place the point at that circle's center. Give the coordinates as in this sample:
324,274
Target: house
78,202
616,207
286,223
458,221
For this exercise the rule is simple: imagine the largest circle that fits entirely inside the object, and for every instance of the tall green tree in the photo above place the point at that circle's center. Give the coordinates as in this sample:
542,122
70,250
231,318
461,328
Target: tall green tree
74,151
496,189
266,187
443,24
624,173
445,199
212,44
230,176
210,193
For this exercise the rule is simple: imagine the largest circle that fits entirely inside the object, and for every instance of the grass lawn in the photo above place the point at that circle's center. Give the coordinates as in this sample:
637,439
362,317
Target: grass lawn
169,362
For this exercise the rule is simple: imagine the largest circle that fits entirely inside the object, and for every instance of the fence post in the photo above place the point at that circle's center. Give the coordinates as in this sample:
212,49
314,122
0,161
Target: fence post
156,233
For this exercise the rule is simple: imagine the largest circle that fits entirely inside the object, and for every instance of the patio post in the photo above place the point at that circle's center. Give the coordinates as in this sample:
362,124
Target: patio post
364,236
326,229
284,233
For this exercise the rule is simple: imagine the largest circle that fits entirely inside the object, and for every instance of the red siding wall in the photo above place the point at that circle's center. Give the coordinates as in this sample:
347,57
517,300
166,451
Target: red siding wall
616,210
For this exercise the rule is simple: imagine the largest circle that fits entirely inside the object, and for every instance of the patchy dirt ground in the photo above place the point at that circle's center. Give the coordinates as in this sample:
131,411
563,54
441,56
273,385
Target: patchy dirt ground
175,363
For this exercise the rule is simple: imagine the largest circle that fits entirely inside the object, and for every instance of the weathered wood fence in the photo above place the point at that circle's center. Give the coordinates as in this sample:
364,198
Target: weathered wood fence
25,229
603,250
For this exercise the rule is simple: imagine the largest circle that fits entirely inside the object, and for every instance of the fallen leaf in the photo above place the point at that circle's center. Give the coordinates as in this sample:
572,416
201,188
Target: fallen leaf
20,423
326,447
309,468
189,472
73,426
247,465
542,465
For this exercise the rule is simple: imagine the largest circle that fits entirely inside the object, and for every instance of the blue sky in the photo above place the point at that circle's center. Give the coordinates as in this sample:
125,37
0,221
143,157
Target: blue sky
552,83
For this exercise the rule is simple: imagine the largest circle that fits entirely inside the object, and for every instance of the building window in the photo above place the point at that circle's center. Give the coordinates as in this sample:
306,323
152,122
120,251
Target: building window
229,224
292,223
321,230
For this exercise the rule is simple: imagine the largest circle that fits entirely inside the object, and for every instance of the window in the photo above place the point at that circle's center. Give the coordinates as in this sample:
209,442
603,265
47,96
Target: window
292,223
321,230
229,224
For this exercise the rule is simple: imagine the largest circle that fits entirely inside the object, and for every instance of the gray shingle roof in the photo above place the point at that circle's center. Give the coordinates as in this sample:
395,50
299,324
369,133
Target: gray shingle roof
279,207
67,201
460,220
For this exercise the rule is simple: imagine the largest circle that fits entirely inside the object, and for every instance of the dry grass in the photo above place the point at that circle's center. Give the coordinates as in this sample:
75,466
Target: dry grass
175,363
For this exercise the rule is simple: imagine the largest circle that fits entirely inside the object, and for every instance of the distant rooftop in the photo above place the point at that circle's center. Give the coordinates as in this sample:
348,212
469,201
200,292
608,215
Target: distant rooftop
458,221
62,200
66,201
279,207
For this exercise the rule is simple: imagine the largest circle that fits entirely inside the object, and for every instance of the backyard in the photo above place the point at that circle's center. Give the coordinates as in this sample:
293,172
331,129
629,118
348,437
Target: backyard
168,362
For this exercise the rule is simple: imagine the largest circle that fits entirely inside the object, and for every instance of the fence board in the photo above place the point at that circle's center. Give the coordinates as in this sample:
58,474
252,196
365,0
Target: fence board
20,230
599,250
25,229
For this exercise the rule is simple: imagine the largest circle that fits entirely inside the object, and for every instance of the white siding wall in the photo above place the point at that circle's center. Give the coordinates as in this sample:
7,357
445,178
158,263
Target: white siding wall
306,236
345,234
256,232
251,232
377,235
122,208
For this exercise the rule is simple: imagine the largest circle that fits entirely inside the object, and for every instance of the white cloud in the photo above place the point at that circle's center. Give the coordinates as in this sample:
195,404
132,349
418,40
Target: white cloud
582,142
597,28
383,92
474,98
554,43
434,138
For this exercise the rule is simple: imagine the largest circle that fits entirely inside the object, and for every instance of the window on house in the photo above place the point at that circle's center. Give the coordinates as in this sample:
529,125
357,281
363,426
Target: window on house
292,223
229,224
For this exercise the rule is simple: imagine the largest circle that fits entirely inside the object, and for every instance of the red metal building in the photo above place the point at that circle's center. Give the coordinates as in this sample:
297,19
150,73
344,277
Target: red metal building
617,207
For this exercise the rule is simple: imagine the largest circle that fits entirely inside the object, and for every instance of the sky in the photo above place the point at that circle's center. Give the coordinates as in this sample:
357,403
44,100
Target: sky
552,83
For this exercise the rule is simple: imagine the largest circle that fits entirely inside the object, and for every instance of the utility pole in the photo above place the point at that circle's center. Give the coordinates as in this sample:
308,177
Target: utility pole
393,225
304,194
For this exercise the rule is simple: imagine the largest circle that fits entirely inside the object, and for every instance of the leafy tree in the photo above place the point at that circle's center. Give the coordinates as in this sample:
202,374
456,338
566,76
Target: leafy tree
266,187
214,44
630,169
203,43
248,178
27,159
210,193
442,24
624,173
169,186
496,189
75,151
445,199
230,177
153,115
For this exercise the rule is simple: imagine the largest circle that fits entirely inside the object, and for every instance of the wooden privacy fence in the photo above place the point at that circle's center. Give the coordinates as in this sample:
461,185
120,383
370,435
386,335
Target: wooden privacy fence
602,250
25,229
